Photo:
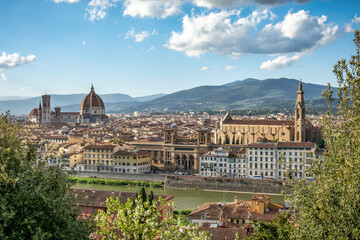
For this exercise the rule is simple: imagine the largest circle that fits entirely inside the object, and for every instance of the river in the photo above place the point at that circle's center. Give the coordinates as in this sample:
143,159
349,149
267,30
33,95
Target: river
188,198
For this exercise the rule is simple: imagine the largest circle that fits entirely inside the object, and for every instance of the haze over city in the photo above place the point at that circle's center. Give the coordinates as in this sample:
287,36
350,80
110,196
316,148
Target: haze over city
142,47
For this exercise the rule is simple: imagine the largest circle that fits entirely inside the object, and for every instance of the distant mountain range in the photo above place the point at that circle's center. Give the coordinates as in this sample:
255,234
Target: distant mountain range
19,105
241,94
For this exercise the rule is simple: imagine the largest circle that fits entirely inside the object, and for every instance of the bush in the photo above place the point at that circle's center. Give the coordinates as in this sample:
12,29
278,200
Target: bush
115,182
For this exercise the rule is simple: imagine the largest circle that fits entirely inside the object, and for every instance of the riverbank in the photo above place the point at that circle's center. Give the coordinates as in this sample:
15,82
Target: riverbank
237,185
183,198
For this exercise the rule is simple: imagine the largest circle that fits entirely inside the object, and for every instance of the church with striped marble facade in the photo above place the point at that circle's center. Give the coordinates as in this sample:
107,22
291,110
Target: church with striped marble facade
246,131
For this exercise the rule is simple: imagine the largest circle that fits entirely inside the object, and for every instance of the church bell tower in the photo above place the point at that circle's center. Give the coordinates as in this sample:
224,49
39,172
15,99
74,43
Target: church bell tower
300,115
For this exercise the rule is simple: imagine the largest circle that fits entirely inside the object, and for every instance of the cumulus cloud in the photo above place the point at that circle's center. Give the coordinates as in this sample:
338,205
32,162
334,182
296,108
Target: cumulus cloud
349,26
237,3
166,8
152,8
66,1
204,68
139,37
14,60
97,9
3,76
228,33
280,62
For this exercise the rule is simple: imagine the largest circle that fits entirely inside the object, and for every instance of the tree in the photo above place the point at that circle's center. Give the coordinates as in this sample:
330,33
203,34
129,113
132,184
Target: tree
142,195
278,229
34,197
138,220
329,207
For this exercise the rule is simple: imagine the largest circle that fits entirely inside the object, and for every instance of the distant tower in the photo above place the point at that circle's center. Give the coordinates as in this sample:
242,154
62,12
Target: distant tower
46,114
40,113
57,115
300,115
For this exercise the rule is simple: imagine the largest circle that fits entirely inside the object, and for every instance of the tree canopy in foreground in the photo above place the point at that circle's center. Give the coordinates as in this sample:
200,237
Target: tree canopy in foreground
34,197
329,206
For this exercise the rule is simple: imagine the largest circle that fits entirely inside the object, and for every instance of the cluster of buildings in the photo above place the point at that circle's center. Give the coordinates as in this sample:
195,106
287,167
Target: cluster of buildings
92,109
211,146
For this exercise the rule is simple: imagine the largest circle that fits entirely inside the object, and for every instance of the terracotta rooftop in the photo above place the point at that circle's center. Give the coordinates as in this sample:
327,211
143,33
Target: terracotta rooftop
260,122
111,147
131,153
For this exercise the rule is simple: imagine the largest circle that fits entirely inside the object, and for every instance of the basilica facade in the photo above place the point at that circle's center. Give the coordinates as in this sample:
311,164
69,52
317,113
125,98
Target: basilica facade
242,132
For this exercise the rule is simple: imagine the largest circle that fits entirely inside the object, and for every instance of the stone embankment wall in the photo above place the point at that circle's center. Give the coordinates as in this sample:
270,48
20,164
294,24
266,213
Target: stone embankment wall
225,184
123,176
204,183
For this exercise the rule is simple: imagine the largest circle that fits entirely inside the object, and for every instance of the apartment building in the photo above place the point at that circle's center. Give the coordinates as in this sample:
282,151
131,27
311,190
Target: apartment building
99,158
223,163
126,161
276,160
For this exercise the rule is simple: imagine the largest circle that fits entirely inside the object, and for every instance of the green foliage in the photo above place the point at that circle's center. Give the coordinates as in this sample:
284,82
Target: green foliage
329,207
115,182
320,144
278,229
34,197
138,220
142,195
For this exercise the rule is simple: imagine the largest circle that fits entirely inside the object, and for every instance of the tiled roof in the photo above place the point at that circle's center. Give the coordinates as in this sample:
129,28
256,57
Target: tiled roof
261,122
131,153
111,147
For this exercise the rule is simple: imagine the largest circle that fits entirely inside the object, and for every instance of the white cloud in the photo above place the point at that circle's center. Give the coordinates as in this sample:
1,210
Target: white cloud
97,9
139,37
151,48
152,8
228,68
66,1
166,8
280,62
356,19
14,60
204,68
3,76
228,33
83,43
232,4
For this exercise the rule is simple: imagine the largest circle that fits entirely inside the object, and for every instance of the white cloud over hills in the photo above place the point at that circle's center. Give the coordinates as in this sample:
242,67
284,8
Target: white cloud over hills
227,33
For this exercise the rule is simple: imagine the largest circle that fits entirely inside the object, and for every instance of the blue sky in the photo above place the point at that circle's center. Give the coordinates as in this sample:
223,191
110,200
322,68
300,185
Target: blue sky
143,47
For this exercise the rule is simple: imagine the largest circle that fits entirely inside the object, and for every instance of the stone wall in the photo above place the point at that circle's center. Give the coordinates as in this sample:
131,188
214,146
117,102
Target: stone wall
225,184
204,183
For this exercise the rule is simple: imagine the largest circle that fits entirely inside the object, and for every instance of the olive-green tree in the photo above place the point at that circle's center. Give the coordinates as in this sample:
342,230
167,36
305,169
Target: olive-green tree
34,197
278,229
138,220
329,207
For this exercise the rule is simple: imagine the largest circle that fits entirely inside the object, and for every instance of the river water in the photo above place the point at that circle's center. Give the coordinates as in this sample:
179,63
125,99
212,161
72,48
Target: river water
188,198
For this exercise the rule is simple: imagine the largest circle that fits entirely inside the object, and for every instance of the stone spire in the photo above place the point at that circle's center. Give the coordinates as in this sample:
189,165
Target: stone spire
92,88
300,115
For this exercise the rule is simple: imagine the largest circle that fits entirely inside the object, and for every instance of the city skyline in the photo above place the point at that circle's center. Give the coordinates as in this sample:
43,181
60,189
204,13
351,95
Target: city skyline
143,47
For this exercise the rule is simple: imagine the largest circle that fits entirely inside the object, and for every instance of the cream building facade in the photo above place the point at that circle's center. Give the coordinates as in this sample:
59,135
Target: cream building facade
242,132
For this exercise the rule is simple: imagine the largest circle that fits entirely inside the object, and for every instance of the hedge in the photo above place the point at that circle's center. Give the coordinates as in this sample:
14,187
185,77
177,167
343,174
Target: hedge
115,182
